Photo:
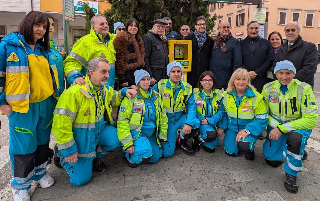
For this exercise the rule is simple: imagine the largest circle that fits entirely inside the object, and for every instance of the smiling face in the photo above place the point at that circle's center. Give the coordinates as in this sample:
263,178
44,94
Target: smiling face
100,76
144,83
201,26
185,30
240,83
253,30
285,76
292,31
51,26
224,28
159,28
120,29
101,26
39,29
133,28
207,82
175,75
275,41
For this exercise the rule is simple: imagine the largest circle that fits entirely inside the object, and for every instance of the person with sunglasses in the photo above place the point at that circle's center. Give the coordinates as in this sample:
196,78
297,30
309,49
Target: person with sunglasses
118,27
302,54
226,55
170,34
184,31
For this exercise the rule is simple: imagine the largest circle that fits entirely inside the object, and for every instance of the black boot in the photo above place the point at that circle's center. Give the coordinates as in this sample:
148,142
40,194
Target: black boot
132,165
185,147
233,154
207,149
196,144
56,159
291,183
305,155
50,155
250,155
98,165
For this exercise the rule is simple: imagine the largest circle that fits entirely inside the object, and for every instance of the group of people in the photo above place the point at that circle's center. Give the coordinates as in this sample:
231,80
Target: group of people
226,94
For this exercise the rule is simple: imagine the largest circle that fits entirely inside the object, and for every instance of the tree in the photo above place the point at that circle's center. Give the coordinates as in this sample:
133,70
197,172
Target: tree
146,11
89,14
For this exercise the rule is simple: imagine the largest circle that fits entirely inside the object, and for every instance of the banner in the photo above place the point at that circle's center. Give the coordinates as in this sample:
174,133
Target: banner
78,6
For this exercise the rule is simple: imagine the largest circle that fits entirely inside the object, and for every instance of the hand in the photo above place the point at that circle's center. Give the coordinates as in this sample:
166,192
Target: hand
130,149
134,87
153,81
63,53
241,135
220,131
204,122
125,84
131,93
253,75
79,80
186,129
72,159
6,109
275,134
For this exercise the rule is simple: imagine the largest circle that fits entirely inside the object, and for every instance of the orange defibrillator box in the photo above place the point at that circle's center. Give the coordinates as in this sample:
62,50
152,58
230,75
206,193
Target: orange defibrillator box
181,51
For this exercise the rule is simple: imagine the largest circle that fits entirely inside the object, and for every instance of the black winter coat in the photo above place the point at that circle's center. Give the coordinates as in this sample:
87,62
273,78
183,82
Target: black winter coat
156,56
304,56
257,58
200,59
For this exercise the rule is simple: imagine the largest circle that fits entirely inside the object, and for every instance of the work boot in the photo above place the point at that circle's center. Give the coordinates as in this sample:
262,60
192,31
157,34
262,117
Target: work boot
46,181
50,155
132,165
249,155
185,147
98,166
291,183
196,144
208,149
56,159
305,155
20,195
233,154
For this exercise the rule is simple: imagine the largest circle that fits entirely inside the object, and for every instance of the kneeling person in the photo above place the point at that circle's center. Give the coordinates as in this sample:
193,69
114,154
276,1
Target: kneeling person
142,123
82,123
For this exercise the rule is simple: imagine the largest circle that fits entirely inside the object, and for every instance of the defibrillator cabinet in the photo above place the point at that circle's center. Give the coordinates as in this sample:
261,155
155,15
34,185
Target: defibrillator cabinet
181,51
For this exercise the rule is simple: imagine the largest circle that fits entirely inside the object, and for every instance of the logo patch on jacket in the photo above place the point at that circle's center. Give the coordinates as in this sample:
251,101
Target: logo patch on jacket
246,107
166,95
122,109
200,104
88,112
139,104
137,110
273,89
273,99
13,57
312,103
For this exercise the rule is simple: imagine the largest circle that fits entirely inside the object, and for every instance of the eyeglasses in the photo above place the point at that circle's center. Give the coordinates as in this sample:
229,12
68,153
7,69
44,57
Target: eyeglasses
184,29
225,27
201,24
292,30
254,28
207,80
160,26
121,29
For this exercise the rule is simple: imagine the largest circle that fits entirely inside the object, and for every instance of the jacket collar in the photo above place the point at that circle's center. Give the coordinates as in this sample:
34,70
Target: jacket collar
171,85
248,93
203,94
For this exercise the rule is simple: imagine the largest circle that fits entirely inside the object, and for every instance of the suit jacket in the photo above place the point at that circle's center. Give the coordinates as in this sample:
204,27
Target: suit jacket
257,56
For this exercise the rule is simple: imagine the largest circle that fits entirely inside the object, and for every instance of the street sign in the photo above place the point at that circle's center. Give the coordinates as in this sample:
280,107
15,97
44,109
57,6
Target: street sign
68,10
260,15
78,6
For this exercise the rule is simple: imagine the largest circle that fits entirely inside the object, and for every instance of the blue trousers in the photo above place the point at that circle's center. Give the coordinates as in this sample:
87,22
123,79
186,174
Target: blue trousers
290,146
29,142
112,76
203,136
145,146
231,145
173,127
81,171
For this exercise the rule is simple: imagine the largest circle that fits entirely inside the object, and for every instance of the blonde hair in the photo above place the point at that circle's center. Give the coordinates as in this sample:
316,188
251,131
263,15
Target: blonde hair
240,72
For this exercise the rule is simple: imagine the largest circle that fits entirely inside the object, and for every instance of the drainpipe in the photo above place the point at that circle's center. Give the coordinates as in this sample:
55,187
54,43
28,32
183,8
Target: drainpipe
31,5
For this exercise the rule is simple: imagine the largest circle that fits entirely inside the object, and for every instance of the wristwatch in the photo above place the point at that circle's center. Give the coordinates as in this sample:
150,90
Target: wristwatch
248,132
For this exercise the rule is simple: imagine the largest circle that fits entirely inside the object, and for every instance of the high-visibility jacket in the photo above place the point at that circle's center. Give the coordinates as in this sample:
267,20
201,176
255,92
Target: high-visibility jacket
248,112
15,73
207,106
80,115
131,117
177,100
85,49
294,110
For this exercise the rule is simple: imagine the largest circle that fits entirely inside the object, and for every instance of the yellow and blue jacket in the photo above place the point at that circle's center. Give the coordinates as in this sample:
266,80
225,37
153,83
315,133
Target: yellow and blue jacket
295,109
15,73
247,112
85,49
81,113
144,114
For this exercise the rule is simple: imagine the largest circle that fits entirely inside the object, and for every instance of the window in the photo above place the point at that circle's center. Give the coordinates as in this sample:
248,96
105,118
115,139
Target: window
212,7
282,17
309,20
230,20
267,17
240,19
219,20
220,5
3,31
295,17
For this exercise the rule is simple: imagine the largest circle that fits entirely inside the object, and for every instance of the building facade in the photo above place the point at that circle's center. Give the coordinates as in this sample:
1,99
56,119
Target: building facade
279,12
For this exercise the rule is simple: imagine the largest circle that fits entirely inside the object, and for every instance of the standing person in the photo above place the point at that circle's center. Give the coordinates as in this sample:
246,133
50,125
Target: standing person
130,53
302,54
118,27
99,43
293,112
257,56
246,115
27,86
170,34
156,51
207,99
276,41
226,55
201,51
82,123
184,31
142,123
177,97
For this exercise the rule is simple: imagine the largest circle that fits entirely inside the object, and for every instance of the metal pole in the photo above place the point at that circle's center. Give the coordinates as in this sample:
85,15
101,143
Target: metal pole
66,31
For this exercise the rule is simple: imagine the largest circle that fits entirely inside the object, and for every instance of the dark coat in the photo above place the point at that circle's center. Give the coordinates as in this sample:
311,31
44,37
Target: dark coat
304,56
258,59
200,59
173,35
156,56
222,64
130,57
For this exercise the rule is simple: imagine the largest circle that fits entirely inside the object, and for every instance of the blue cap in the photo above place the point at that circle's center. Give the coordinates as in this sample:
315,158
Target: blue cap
116,25
284,65
139,74
173,64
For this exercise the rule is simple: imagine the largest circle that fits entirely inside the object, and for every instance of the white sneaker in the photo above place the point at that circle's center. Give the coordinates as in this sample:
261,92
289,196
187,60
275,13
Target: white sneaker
46,181
20,195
